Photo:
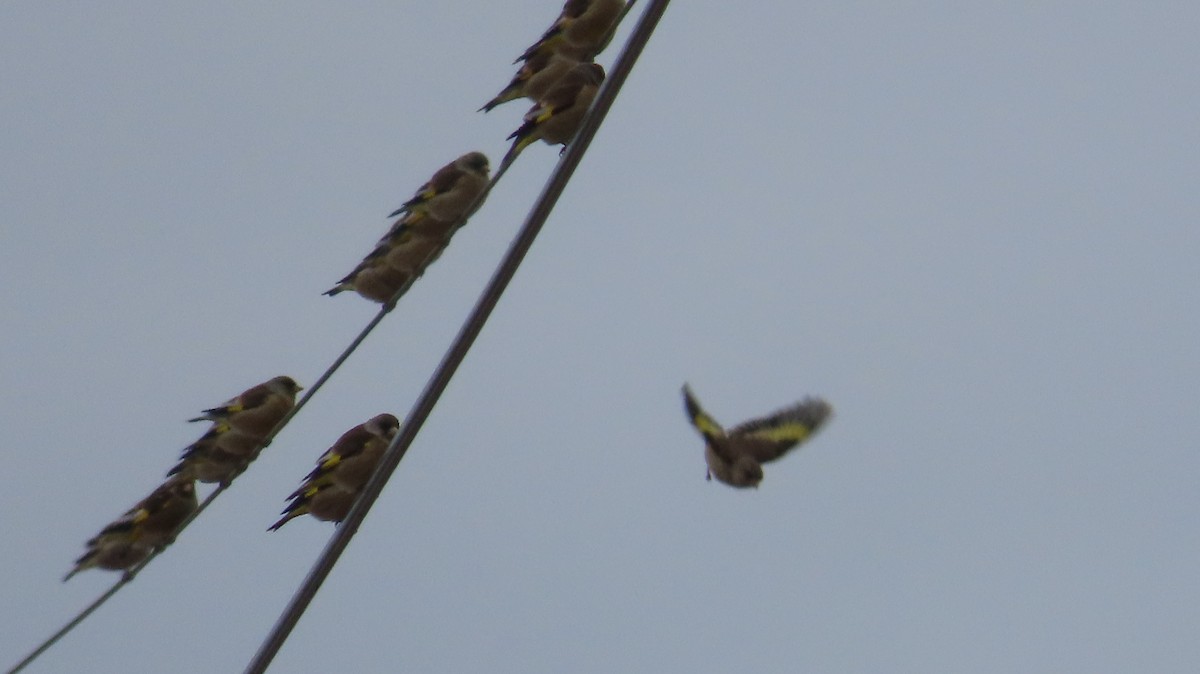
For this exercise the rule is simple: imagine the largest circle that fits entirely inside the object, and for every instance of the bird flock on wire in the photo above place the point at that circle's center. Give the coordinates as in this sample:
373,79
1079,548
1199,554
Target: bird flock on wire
559,75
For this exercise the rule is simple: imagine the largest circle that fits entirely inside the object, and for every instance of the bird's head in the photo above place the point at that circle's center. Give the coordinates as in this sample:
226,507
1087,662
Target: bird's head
747,472
384,425
473,162
285,386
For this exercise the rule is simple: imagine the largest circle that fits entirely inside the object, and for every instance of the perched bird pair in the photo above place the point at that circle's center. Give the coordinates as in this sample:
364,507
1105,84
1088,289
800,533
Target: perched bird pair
556,116
240,426
426,223
342,471
149,525
735,457
581,31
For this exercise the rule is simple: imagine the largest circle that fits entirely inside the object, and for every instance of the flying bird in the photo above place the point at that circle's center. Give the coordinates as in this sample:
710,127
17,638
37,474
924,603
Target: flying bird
556,117
148,525
735,457
581,31
451,190
342,471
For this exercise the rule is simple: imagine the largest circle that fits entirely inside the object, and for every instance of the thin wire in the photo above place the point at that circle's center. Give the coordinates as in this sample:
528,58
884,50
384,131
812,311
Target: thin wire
310,392
71,625
566,167
462,343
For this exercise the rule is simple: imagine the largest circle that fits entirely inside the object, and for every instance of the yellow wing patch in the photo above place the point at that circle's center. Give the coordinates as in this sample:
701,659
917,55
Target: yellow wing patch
707,425
787,431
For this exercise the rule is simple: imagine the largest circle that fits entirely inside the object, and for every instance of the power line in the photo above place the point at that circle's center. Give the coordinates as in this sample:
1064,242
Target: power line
387,307
474,324
462,343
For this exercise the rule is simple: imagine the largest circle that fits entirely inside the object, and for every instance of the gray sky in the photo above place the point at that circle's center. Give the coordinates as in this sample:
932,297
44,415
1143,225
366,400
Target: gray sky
971,227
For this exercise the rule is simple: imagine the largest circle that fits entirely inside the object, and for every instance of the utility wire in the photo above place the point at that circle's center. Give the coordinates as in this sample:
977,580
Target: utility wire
462,343
309,393
517,252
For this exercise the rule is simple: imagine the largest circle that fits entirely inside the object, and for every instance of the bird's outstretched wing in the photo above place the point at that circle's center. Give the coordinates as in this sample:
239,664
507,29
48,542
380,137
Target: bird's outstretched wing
770,437
714,434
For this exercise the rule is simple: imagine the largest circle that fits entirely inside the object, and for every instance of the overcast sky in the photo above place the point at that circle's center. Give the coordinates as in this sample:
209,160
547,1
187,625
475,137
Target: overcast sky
974,228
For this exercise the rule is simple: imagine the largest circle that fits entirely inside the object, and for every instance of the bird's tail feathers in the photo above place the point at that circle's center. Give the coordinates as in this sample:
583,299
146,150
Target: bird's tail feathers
502,97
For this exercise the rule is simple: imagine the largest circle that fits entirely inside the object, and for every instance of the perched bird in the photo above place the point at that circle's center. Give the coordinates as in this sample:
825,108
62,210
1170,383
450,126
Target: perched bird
157,516
736,457
421,233
581,31
410,248
373,278
326,502
351,460
148,525
240,426
451,191
535,78
111,550
219,455
401,256
329,490
423,226
257,410
555,118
